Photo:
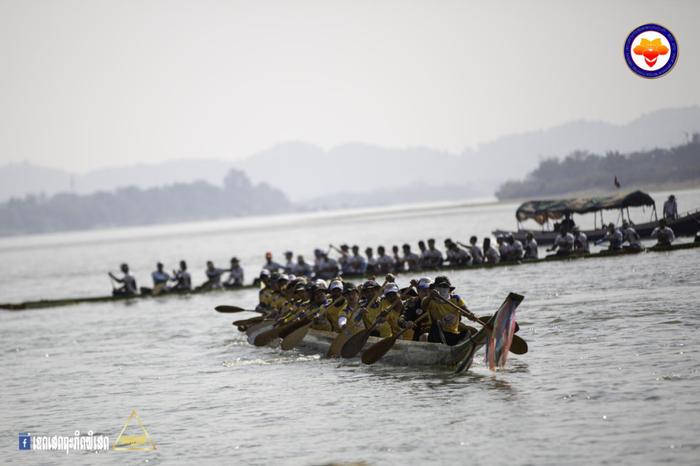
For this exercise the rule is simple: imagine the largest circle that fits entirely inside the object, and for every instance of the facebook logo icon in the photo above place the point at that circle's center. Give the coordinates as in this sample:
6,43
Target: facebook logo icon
25,441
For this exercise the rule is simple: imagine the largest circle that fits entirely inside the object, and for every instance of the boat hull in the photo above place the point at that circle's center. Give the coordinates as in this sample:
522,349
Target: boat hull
404,352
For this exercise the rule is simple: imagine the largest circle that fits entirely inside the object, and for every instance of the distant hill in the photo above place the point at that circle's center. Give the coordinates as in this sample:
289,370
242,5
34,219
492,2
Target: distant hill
135,206
305,171
583,171
19,179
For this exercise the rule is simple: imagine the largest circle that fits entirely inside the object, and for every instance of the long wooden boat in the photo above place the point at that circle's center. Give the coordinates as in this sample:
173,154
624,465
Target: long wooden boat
404,352
543,211
48,303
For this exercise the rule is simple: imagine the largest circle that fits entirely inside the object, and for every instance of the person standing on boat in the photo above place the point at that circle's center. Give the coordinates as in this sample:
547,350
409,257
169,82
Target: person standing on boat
445,318
567,224
301,268
182,278
531,250
580,241
385,263
631,237
663,233
357,265
671,208
271,265
411,259
127,281
491,255
235,274
160,278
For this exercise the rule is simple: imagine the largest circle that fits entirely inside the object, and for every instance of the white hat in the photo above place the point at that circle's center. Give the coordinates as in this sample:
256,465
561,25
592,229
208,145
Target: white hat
391,288
424,283
335,284
321,283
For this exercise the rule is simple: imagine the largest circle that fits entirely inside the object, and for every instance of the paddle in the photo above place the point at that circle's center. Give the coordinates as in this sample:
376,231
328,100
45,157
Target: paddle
344,335
252,320
375,352
282,331
226,309
519,346
356,342
292,338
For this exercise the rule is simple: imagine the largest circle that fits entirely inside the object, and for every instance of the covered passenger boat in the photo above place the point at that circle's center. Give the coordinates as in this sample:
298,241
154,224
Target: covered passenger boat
544,212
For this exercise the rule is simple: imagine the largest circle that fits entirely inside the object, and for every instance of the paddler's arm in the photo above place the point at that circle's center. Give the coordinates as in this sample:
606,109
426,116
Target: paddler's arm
116,279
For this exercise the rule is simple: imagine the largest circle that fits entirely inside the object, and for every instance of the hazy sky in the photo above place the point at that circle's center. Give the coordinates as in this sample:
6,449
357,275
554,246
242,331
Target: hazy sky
87,84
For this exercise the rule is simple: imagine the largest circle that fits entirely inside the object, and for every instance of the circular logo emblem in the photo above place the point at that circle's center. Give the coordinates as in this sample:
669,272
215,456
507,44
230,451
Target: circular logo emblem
651,51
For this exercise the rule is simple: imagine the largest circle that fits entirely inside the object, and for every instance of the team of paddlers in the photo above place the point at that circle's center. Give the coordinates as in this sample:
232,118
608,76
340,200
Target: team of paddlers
350,262
426,310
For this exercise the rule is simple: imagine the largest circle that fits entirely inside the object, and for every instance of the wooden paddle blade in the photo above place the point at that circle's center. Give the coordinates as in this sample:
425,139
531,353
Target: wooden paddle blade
293,327
266,337
249,322
354,344
229,309
294,338
375,352
518,346
337,345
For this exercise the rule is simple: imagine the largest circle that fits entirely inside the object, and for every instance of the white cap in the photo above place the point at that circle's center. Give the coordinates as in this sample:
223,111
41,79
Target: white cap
391,288
321,283
335,284
424,283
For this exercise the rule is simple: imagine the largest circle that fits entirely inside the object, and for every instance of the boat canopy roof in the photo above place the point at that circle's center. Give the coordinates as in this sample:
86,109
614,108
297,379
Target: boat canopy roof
543,211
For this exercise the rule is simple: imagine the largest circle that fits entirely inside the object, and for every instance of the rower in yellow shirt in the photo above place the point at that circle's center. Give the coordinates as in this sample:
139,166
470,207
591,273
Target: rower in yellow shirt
386,312
350,318
318,307
445,319
337,305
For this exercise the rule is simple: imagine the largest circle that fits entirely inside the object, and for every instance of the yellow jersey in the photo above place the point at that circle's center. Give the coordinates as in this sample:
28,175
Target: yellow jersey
438,310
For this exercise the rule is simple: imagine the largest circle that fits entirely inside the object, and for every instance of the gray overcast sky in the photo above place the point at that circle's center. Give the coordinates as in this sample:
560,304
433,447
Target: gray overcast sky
87,84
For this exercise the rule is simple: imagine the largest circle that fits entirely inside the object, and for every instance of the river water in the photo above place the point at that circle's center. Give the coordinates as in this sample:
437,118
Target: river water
612,376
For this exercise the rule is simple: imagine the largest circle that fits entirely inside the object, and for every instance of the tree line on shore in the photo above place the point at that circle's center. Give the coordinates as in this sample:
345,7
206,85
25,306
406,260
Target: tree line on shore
583,171
131,206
